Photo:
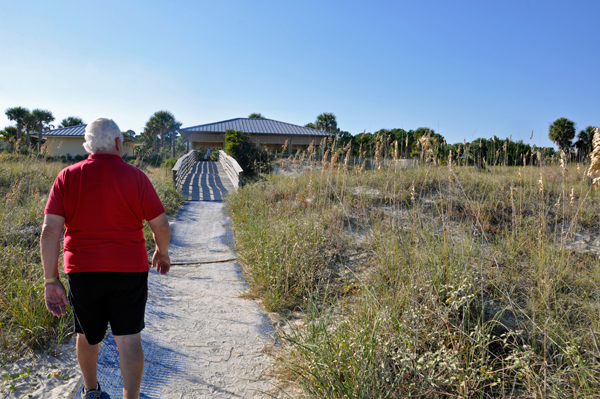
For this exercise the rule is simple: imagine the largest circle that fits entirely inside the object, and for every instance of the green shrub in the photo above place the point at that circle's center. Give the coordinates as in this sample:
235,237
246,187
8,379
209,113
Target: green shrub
169,163
251,159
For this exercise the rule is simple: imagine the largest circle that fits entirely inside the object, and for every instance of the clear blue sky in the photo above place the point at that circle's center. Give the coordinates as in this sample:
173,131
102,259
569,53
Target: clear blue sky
467,69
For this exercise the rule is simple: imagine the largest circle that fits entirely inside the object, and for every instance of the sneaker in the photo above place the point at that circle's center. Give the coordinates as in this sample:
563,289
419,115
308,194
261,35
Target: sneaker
94,394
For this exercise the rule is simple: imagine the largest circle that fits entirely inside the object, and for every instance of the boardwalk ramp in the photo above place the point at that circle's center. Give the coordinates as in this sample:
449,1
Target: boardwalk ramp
206,181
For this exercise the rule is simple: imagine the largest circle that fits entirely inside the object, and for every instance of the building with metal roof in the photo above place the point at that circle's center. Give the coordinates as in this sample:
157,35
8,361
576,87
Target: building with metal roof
265,132
69,141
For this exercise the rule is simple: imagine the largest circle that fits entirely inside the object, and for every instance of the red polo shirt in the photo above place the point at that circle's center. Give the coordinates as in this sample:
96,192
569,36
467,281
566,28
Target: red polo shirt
104,201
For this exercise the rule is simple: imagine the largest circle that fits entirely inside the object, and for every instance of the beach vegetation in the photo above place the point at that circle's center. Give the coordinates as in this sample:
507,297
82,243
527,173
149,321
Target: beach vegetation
442,280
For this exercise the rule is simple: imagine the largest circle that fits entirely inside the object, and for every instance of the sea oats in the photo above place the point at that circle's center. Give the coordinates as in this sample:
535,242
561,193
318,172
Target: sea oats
595,155
347,159
310,150
325,161
362,167
572,196
334,158
378,150
563,162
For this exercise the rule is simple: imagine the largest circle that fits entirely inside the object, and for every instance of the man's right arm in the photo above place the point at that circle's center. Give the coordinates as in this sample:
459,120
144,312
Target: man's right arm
161,231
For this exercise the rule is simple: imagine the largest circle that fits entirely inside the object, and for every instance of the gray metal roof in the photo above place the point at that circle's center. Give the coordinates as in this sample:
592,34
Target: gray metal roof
67,131
79,131
255,126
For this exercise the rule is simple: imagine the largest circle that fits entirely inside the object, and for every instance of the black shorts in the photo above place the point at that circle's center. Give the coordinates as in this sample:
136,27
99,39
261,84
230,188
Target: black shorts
99,298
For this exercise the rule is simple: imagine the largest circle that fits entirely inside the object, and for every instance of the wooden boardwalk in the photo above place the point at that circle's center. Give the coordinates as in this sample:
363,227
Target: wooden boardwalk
207,181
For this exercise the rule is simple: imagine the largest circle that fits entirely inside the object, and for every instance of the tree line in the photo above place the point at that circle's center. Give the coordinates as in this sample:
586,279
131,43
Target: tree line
31,124
159,137
562,132
424,142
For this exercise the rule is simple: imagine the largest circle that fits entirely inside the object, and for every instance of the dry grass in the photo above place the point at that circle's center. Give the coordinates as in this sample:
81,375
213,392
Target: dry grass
436,281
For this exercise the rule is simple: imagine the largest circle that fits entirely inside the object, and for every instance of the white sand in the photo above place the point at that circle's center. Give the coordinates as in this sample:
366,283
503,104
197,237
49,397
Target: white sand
41,375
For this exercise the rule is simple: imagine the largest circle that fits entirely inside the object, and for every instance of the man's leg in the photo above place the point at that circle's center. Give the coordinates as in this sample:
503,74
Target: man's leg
87,355
132,363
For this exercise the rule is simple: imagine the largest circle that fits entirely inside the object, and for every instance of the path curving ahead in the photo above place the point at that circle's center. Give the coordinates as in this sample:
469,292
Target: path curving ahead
201,339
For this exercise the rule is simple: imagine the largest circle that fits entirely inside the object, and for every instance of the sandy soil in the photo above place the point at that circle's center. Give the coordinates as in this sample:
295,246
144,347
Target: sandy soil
41,375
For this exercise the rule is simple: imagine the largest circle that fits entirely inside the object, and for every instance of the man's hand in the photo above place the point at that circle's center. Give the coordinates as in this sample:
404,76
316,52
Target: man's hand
161,262
162,235
56,298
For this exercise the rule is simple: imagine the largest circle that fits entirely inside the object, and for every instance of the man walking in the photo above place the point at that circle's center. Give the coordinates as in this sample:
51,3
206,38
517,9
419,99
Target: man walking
103,201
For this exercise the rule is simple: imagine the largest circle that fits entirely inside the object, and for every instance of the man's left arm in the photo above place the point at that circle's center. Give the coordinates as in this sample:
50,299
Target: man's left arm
55,293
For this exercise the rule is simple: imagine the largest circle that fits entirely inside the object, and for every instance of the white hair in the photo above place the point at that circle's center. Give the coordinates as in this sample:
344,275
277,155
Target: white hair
100,135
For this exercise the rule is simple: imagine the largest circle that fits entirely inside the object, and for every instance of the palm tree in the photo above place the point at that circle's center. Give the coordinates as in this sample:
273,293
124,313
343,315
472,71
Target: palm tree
562,132
326,121
30,126
70,121
9,134
41,119
151,131
174,128
163,120
584,142
19,115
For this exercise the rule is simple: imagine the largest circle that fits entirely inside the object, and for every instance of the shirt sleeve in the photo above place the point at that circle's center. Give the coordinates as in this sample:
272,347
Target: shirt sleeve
55,206
151,205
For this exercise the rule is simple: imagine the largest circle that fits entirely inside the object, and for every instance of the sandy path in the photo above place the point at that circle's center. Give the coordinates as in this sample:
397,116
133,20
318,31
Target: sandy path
201,339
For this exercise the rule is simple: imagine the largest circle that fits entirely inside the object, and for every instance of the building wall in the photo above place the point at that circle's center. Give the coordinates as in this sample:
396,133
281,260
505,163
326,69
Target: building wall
128,149
265,140
60,146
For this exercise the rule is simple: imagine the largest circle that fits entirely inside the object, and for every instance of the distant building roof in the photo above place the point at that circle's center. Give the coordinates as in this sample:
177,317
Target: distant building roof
255,126
79,131
67,131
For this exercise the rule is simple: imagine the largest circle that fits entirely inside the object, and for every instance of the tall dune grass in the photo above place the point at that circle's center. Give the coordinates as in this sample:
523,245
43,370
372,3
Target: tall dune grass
429,282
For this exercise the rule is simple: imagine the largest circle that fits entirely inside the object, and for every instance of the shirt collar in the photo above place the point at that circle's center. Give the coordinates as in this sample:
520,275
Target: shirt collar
104,156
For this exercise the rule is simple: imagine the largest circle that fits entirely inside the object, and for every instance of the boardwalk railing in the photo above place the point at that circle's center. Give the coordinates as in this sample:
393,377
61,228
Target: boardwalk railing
232,168
183,166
